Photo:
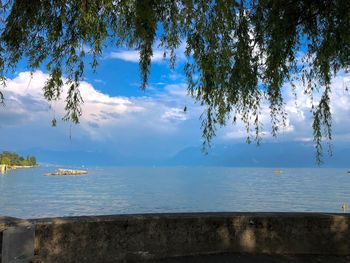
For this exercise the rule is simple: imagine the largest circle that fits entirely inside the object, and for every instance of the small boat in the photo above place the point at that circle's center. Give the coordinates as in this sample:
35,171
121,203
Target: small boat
279,172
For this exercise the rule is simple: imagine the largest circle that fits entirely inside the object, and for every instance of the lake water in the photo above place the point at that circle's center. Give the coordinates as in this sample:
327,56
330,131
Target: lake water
26,193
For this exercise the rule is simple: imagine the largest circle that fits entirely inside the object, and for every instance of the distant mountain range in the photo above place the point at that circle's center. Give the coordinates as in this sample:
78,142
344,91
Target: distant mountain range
266,155
288,154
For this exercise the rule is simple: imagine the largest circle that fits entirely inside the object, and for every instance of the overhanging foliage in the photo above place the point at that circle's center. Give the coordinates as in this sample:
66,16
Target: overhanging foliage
239,52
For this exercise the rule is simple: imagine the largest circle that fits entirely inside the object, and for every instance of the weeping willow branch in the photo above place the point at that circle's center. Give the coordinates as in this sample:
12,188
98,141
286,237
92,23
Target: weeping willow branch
238,52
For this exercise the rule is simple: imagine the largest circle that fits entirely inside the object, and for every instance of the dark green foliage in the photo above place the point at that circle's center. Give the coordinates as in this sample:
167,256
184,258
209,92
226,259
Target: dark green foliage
11,158
240,53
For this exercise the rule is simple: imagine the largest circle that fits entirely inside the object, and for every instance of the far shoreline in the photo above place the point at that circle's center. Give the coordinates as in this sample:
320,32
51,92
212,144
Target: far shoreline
5,167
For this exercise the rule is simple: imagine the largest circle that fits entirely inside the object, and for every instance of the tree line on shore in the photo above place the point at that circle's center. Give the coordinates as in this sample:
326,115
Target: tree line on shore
11,158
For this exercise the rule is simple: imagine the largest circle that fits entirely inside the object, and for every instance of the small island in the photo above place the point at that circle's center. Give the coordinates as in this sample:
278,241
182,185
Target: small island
11,161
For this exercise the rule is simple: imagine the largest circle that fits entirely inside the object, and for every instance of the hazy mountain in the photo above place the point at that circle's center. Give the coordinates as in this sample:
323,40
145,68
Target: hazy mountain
291,154
87,157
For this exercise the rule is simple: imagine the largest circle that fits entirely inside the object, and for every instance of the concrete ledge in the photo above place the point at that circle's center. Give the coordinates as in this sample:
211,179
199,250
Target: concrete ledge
16,240
135,238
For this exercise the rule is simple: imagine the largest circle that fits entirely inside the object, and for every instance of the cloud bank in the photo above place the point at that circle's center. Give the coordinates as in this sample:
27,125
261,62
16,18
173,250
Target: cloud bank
106,120
154,125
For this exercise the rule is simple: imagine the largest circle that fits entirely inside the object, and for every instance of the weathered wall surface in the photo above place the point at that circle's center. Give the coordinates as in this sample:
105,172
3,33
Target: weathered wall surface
133,238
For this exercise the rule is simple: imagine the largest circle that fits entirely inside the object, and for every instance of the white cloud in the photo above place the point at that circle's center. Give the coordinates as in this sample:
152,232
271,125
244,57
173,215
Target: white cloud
174,114
132,123
103,117
299,122
304,139
157,57
176,76
134,56
179,90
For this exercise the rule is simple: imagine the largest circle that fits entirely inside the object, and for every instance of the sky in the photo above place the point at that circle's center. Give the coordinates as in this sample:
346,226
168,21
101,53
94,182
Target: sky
130,124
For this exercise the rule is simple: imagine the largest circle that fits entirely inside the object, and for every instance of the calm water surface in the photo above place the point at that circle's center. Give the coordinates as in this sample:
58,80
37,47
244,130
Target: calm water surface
27,193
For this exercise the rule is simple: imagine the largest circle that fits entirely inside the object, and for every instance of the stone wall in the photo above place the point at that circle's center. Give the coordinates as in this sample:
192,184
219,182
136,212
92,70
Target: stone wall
135,238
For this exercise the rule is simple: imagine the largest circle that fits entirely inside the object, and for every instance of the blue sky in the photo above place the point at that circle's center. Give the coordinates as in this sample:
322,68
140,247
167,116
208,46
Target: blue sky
120,119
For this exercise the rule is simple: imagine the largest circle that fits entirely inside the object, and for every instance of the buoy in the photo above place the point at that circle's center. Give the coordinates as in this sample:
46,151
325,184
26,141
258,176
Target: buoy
344,207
